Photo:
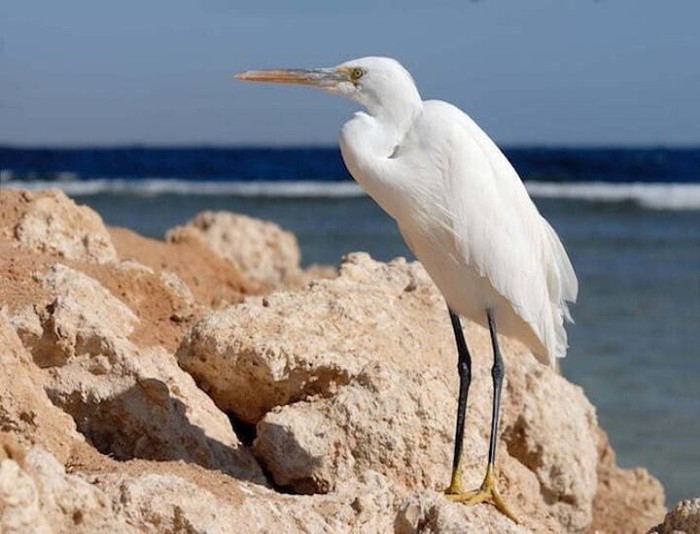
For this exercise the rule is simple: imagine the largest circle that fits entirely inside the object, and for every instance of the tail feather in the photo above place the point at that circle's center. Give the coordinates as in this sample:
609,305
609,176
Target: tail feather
562,286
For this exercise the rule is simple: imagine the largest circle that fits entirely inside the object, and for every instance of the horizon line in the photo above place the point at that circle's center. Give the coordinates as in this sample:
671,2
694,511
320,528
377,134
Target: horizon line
323,146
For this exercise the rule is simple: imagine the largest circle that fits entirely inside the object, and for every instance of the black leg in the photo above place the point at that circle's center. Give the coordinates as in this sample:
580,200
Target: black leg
487,492
497,373
464,368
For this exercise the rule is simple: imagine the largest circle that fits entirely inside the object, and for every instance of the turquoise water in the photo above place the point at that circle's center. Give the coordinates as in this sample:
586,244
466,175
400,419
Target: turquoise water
634,347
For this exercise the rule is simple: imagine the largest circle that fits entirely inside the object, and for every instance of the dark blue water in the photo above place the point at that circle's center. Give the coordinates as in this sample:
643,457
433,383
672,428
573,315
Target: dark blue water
324,164
633,236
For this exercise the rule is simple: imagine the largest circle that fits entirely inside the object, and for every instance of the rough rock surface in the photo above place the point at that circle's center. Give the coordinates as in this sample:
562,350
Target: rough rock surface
53,223
128,401
274,350
261,249
429,512
628,500
212,280
26,413
303,366
343,390
683,519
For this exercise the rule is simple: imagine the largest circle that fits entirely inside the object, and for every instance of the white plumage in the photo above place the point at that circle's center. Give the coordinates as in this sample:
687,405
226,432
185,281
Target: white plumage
464,213
461,208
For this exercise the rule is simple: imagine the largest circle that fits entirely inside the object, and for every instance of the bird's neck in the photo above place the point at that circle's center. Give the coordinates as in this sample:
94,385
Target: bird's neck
394,116
368,143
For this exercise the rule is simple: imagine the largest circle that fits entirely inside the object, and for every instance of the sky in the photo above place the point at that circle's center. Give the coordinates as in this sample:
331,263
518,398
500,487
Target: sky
534,72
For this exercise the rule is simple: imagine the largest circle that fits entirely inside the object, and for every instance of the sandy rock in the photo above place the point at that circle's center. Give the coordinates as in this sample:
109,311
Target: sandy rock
167,503
82,317
19,501
289,346
360,364
128,401
427,512
53,223
260,249
212,280
683,519
351,384
551,428
627,501
312,446
69,503
26,413
37,495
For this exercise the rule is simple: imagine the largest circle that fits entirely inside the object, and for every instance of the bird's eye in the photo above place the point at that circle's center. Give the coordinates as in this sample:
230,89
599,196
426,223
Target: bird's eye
356,73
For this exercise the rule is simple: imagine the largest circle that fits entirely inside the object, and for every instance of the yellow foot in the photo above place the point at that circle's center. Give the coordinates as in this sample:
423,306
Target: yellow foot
486,493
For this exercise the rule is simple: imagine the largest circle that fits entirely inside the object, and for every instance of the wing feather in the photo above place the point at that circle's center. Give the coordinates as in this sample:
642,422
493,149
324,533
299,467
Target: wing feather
479,199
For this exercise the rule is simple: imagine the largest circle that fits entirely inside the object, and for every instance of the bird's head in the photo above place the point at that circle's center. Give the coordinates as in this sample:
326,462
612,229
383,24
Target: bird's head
375,82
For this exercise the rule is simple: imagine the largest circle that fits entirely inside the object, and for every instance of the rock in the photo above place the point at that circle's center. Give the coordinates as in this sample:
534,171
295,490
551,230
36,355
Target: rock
162,301
20,510
26,414
212,280
53,223
166,503
260,249
376,341
128,401
627,500
313,446
38,496
429,512
288,346
81,319
683,519
350,385
550,427
67,502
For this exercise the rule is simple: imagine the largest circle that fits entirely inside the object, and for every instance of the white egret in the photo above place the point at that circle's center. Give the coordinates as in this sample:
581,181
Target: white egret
465,214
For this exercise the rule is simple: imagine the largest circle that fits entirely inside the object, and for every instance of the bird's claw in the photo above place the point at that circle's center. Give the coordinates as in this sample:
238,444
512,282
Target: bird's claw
486,493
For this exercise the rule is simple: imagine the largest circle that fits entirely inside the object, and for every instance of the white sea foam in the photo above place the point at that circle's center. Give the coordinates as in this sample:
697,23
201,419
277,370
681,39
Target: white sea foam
649,195
157,186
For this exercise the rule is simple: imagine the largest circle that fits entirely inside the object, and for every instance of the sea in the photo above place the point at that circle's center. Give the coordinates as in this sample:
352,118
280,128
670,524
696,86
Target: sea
629,217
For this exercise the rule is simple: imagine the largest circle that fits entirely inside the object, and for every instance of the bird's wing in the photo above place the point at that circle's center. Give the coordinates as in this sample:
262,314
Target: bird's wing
495,226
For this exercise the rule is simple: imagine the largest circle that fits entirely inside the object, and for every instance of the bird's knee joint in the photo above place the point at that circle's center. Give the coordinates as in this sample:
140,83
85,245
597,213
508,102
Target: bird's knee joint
498,370
464,370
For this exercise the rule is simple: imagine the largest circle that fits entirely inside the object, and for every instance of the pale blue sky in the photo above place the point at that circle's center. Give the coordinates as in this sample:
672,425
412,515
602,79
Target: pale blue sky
530,71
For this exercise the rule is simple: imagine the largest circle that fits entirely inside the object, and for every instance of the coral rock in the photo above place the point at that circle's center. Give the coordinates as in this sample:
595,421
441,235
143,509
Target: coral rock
127,400
683,519
260,249
53,223
359,373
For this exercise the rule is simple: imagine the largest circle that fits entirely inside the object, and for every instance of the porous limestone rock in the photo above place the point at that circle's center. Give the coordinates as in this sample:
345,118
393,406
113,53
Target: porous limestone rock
627,500
260,249
81,319
316,351
53,223
129,401
551,428
19,498
289,346
26,413
169,503
67,502
351,383
384,419
427,512
683,519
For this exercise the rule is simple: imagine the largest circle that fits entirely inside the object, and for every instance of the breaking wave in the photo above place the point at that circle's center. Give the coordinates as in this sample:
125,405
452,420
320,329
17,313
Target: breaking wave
666,196
661,196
